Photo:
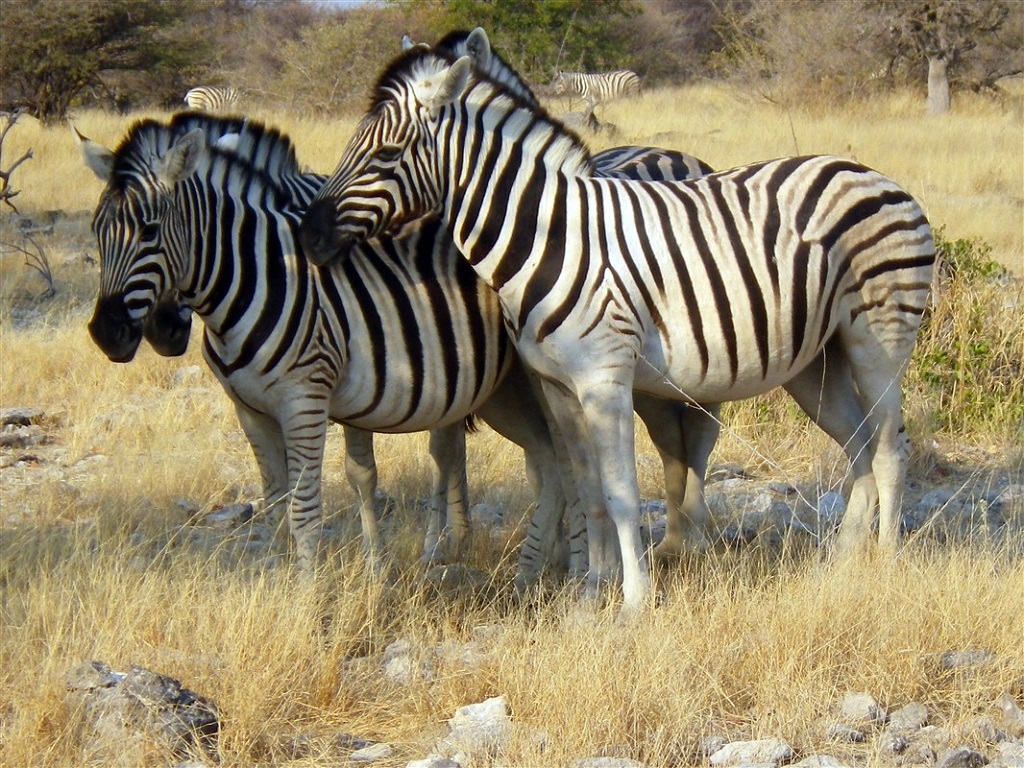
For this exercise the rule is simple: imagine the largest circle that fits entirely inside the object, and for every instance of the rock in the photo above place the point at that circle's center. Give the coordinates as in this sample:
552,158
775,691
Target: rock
761,751
132,713
961,757
831,508
951,661
482,728
910,717
609,762
372,753
433,761
840,732
860,708
21,416
231,516
1013,717
401,666
1011,755
821,761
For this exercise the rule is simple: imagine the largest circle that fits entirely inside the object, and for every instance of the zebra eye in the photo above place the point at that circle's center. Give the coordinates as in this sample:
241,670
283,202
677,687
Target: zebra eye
388,153
149,231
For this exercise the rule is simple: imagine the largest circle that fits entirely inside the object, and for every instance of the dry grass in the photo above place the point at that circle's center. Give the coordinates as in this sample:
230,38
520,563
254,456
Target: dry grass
97,562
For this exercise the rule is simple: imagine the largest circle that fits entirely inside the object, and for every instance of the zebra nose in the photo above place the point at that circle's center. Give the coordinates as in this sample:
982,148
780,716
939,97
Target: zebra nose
317,235
114,332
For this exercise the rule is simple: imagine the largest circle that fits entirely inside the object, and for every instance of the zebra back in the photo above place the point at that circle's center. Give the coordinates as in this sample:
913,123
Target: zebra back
628,162
213,98
598,87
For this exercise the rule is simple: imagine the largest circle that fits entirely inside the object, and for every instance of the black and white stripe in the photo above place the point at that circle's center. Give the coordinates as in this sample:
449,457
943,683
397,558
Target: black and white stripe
810,273
213,98
597,87
402,338
685,457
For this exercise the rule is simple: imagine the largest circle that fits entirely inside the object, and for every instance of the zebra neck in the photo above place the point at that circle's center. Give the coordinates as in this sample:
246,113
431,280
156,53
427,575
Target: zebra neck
505,171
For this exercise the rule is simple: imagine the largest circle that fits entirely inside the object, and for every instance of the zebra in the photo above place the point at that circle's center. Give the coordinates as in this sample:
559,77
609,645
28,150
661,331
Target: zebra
597,87
688,517
401,339
810,273
213,98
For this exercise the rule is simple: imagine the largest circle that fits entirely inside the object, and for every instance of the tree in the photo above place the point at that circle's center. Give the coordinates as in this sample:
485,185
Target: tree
539,36
944,31
53,51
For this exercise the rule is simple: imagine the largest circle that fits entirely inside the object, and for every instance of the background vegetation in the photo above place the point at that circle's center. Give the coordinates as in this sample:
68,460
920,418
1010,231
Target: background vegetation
321,57
100,560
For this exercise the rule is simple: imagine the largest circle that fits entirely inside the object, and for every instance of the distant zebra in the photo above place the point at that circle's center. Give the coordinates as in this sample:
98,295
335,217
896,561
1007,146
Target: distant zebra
403,338
597,87
688,518
213,98
810,273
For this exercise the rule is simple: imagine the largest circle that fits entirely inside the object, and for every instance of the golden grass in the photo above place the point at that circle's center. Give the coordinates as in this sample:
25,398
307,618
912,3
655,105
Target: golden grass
97,560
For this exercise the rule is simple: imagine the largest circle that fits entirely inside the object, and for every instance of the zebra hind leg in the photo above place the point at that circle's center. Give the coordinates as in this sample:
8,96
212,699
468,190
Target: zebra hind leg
447,526
825,391
361,472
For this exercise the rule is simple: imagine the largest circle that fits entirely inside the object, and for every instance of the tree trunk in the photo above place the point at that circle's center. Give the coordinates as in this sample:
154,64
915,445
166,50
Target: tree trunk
938,85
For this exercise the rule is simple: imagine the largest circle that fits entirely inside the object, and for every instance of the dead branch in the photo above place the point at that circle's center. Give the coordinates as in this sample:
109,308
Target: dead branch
6,192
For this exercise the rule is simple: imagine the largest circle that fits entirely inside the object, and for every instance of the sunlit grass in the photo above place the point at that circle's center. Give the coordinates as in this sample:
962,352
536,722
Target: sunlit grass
100,559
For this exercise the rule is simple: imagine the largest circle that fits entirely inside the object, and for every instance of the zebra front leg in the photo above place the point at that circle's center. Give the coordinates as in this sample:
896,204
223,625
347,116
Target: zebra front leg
448,525
267,443
568,416
608,415
305,433
361,471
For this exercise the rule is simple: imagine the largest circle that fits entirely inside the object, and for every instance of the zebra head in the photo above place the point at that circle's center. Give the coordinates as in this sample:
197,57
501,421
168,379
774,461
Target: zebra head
168,326
130,228
388,174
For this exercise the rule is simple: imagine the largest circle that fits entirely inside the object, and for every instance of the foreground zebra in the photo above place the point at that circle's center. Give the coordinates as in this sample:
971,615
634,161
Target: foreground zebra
811,273
403,338
213,98
684,457
597,87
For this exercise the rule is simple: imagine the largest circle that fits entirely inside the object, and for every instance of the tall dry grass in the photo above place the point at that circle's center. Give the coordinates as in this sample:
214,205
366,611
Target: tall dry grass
98,560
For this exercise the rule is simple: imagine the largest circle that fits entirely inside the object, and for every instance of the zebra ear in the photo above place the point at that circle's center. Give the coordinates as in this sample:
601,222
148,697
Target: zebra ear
182,158
99,159
479,47
454,84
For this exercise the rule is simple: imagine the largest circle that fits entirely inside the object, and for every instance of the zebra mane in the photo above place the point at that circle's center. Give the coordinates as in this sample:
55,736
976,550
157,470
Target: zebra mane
456,44
264,151
401,69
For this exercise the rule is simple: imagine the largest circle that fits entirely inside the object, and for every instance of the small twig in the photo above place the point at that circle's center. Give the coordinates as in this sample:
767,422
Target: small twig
36,261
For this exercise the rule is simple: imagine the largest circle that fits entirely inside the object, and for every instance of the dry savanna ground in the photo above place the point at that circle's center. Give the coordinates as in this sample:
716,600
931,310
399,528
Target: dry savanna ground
94,563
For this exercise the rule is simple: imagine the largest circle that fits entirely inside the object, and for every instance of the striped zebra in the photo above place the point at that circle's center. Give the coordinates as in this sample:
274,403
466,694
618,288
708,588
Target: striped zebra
403,338
810,273
597,87
213,98
688,518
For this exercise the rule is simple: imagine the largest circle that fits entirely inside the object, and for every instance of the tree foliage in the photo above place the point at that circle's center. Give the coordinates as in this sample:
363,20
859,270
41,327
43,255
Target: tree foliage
539,37
54,51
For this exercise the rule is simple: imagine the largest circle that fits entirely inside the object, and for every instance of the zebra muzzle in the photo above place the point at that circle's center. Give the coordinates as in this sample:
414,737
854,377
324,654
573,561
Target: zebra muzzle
114,331
320,240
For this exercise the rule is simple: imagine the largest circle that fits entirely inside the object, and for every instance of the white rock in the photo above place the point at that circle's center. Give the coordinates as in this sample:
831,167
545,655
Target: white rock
761,751
372,753
862,708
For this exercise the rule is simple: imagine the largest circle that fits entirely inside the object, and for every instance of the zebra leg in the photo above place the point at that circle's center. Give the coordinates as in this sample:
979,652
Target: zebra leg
608,416
567,414
267,443
684,437
825,391
516,412
449,497
878,366
305,433
361,472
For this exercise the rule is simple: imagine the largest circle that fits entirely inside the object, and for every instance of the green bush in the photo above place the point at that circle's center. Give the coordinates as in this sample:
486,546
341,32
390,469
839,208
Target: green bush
968,368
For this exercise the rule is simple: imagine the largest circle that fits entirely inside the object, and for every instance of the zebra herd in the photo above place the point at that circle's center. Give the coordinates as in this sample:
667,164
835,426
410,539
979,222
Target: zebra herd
555,293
